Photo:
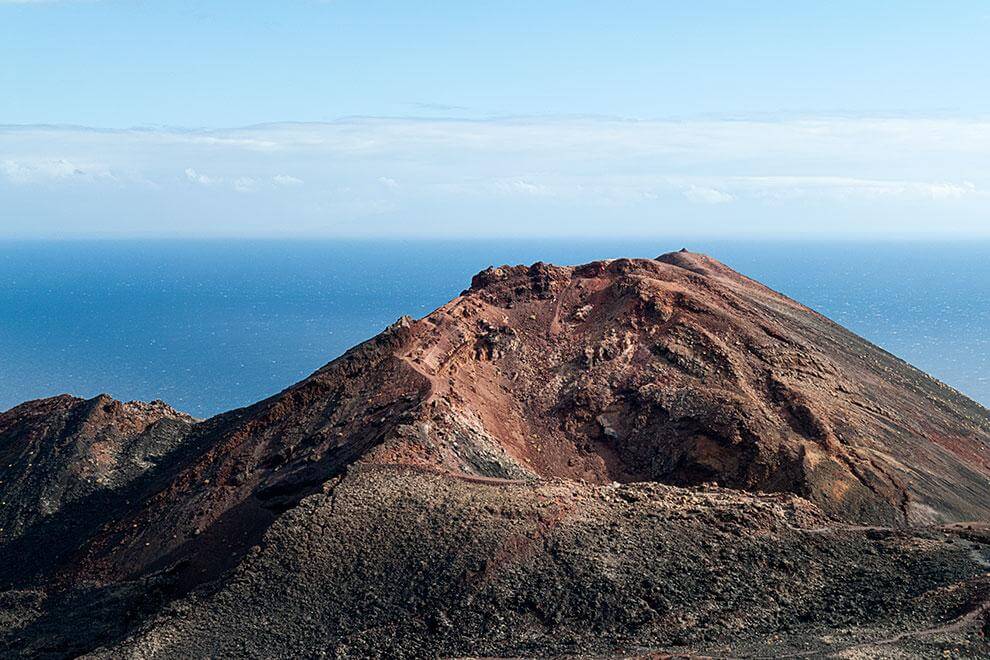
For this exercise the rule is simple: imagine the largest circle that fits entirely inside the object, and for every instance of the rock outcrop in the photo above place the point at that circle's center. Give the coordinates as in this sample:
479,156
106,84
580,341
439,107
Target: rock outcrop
623,457
57,451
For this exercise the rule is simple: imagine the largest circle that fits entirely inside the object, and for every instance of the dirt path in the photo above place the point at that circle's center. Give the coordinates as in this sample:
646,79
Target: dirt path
953,626
957,624
422,372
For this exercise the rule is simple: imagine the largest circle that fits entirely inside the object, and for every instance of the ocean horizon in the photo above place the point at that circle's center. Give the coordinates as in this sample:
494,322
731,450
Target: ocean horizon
211,325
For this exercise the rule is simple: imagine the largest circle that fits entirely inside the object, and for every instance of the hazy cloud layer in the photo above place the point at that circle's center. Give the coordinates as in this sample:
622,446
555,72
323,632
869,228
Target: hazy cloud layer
545,176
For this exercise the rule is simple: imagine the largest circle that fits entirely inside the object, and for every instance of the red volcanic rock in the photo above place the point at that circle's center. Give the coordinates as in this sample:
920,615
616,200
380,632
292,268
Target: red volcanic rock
682,371
553,383
676,370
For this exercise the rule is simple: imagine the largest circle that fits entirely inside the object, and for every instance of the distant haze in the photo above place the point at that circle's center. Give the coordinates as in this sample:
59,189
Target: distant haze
345,118
518,177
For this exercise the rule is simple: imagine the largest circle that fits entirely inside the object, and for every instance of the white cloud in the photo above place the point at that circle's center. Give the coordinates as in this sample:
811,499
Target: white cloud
522,187
244,184
44,170
201,179
240,183
520,175
703,195
849,188
21,172
286,181
951,190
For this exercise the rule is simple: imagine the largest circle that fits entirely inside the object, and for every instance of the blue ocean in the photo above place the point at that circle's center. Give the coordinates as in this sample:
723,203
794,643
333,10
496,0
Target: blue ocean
213,325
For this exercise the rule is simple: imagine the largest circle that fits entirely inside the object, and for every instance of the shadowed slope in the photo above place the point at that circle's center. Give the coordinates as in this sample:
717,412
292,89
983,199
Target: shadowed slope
677,371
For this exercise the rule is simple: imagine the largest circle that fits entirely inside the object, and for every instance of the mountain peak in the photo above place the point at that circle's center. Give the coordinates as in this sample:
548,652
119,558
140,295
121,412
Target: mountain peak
542,392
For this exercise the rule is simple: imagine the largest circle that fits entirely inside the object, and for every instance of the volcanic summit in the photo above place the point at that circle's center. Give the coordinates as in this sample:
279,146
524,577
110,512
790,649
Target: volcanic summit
628,457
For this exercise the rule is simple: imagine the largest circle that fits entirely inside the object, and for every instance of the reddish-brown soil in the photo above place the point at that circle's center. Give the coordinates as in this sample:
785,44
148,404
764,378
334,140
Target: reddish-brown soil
554,381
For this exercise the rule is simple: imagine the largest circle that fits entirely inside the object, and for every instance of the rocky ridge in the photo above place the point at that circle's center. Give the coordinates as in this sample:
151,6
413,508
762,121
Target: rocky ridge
623,457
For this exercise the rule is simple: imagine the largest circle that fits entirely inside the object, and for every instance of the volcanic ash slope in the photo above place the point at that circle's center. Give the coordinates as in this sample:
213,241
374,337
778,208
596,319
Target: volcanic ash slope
621,458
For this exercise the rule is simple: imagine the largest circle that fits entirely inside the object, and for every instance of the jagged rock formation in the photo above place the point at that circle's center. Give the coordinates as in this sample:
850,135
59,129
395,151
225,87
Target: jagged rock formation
528,470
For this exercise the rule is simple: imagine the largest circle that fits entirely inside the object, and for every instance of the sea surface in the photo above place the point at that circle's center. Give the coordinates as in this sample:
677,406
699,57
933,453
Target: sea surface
212,325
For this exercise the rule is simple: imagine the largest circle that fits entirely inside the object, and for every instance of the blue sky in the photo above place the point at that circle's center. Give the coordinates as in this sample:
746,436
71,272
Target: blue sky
126,118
